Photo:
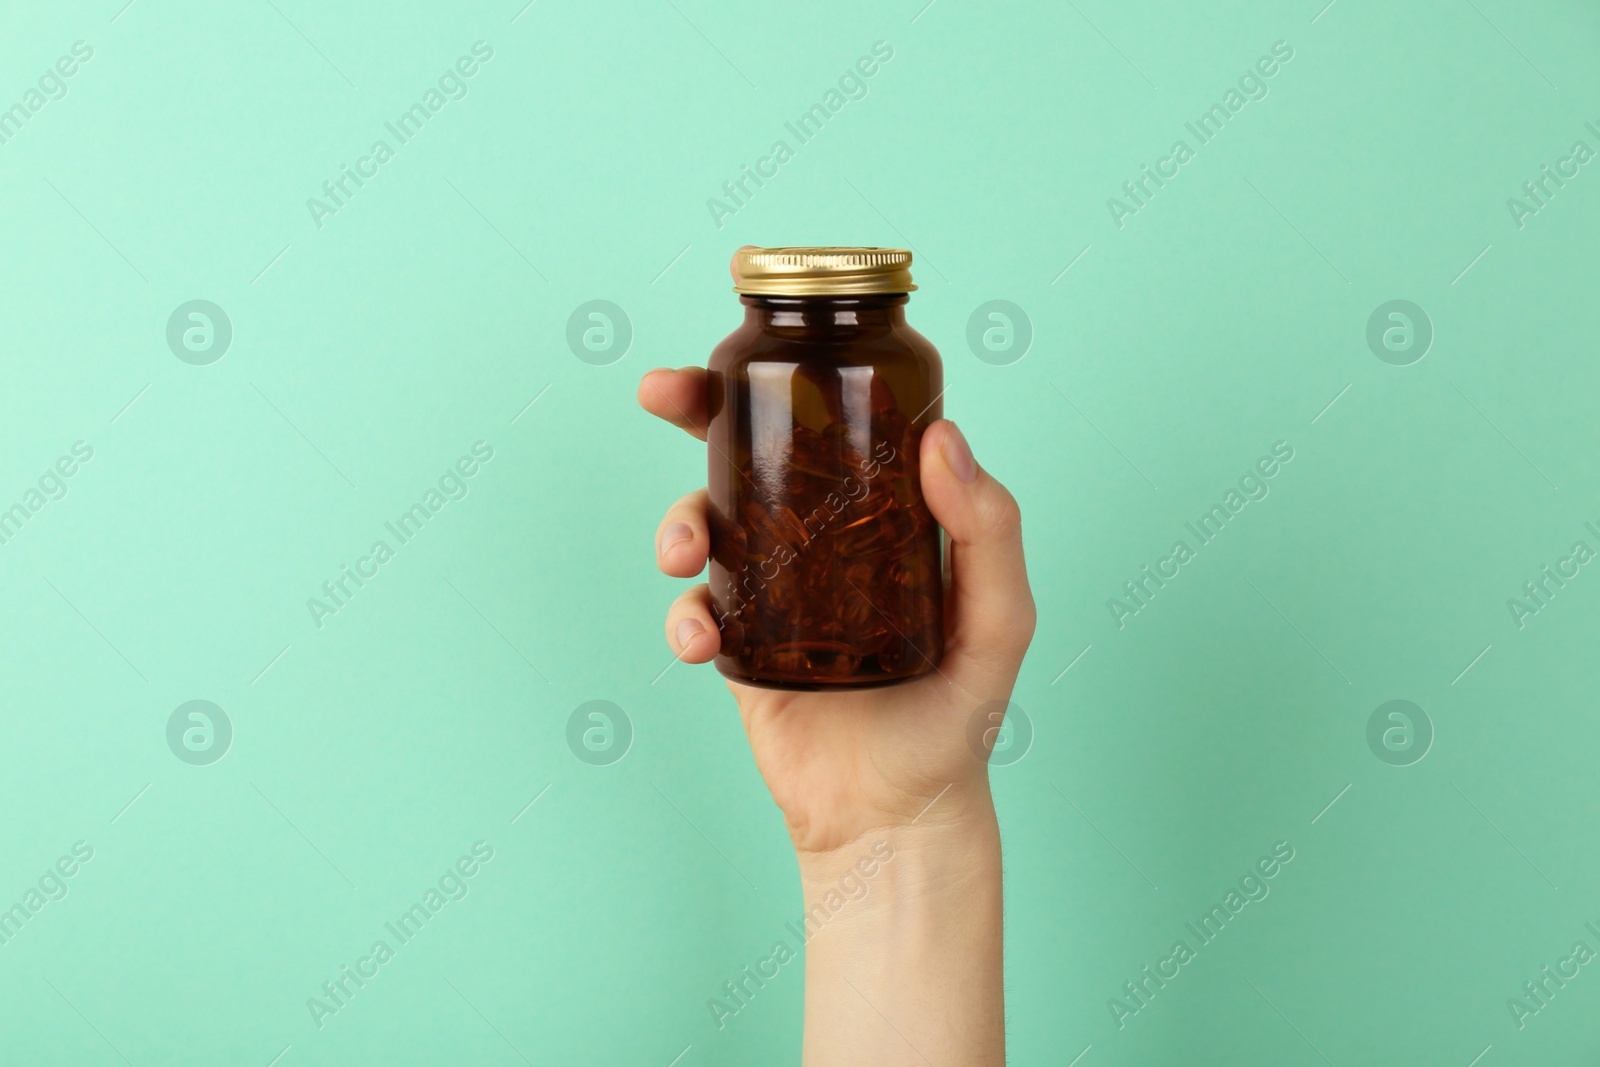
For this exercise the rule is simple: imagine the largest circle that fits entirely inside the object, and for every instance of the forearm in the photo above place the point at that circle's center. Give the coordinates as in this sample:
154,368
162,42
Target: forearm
910,970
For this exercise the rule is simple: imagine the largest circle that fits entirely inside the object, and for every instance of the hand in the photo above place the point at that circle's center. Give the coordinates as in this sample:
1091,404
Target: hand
843,765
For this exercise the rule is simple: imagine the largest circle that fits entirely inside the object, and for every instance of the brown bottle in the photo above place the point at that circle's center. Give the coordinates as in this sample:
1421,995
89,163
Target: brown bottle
825,562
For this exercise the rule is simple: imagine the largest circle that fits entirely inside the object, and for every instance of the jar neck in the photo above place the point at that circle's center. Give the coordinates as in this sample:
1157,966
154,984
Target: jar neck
881,310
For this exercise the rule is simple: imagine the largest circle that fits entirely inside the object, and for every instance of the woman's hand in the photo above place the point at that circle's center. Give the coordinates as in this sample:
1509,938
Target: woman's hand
846,765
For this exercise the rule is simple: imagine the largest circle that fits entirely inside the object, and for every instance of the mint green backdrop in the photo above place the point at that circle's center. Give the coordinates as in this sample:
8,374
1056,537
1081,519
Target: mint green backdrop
1149,354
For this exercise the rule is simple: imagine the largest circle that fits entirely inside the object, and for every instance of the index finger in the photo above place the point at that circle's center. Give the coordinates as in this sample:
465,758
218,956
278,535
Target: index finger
679,396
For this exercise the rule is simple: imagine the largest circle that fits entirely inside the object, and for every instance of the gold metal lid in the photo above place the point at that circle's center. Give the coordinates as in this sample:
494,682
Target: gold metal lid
824,271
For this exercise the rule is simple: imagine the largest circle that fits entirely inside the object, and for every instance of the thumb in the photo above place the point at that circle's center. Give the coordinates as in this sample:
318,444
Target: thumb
989,610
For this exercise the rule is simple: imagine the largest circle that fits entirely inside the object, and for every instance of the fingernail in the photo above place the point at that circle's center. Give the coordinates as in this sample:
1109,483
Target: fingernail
688,630
678,531
958,454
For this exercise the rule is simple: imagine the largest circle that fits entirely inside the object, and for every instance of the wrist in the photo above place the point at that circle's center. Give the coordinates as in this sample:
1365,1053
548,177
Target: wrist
953,842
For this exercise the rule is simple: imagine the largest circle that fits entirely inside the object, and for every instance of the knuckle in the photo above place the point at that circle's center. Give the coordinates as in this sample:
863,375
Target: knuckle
1002,515
1027,621
1016,626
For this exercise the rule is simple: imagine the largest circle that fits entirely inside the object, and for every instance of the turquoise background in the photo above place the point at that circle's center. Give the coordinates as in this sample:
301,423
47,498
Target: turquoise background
368,354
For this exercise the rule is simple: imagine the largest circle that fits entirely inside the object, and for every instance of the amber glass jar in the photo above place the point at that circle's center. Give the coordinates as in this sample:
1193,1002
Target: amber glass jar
825,563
